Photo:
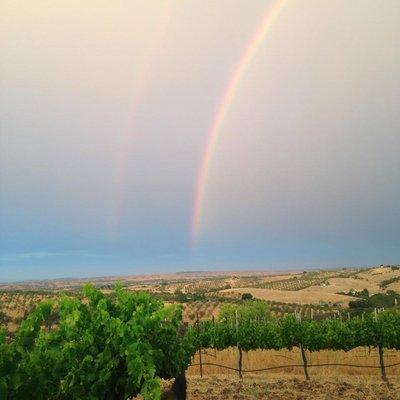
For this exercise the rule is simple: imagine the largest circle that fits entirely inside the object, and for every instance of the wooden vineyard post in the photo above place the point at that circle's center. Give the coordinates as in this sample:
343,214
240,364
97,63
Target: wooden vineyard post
380,354
381,363
304,357
179,386
239,349
215,350
305,364
198,332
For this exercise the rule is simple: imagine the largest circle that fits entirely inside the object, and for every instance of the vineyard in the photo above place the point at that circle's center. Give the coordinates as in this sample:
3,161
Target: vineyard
206,310
203,310
288,282
209,286
299,282
15,306
378,330
311,311
119,345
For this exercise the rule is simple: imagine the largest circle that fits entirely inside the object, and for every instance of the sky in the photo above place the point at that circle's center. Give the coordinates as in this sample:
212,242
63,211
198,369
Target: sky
155,136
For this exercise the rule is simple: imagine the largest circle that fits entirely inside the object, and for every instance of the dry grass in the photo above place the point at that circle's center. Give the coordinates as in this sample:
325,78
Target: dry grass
394,286
377,275
269,358
311,295
345,284
327,383
370,280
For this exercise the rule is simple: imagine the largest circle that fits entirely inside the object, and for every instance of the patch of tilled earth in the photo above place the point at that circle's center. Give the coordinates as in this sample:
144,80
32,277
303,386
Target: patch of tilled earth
217,388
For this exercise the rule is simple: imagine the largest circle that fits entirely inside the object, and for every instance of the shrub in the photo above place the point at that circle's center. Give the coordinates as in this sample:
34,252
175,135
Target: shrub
249,310
100,348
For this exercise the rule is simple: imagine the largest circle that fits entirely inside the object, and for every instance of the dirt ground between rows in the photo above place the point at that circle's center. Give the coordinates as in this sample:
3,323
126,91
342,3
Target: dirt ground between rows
252,388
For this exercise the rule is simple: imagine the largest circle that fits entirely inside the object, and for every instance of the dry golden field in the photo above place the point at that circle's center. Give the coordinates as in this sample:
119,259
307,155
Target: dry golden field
326,292
311,295
277,288
327,383
259,359
377,275
394,286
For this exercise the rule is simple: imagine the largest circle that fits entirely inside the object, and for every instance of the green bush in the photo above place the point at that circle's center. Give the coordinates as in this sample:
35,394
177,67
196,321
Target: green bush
249,310
100,348
288,332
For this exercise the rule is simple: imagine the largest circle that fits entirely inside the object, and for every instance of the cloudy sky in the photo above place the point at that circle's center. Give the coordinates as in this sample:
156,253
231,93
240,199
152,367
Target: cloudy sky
107,106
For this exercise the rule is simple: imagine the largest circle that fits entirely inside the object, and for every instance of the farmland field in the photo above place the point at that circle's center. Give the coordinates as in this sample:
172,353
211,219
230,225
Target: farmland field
293,332
313,294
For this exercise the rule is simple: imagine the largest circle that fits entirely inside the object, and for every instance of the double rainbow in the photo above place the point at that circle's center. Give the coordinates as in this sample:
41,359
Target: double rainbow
222,111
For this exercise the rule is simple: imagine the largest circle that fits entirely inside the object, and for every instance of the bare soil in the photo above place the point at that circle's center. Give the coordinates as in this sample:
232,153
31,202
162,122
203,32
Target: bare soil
221,387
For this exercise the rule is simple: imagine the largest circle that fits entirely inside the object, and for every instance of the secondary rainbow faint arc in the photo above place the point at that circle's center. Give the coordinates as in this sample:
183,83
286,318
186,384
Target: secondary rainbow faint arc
223,108
142,78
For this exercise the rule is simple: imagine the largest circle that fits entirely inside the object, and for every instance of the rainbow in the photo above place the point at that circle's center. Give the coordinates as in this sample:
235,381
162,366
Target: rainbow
223,108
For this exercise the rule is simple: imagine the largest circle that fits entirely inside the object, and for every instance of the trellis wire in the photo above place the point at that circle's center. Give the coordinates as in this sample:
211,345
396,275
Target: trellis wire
292,366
